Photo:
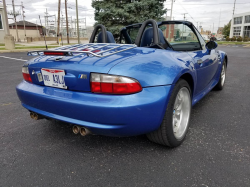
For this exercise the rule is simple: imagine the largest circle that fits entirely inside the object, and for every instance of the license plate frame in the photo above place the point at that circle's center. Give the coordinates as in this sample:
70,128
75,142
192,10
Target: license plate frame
53,78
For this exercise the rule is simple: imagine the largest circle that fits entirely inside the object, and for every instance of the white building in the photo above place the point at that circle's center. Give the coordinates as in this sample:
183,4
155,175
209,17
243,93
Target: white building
240,25
2,24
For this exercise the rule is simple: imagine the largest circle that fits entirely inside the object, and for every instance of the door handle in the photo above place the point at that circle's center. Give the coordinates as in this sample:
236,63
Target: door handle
199,61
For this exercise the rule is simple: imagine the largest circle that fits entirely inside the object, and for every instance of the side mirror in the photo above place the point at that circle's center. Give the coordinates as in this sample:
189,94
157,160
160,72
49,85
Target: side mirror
211,45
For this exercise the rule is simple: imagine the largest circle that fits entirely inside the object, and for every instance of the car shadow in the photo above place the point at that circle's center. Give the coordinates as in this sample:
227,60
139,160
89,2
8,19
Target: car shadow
63,131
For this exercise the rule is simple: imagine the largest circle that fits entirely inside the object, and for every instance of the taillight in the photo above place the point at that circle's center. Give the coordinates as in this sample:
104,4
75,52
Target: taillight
111,84
26,74
54,53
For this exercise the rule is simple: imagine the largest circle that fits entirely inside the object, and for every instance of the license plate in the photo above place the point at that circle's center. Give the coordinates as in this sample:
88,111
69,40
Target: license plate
54,78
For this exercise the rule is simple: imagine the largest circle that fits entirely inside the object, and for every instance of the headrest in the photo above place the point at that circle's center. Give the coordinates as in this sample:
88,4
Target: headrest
110,38
147,37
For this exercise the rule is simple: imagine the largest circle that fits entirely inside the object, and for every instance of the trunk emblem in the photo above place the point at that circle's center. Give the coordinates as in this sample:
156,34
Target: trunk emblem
82,76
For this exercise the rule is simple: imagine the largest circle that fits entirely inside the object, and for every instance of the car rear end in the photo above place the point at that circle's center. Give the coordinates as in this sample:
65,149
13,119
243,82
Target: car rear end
78,89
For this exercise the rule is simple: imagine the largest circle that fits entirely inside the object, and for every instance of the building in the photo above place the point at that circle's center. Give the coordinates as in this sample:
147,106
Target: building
240,25
219,31
207,32
2,24
32,29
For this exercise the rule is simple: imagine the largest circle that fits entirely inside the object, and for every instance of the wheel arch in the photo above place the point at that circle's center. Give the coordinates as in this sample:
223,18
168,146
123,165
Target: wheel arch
226,59
188,77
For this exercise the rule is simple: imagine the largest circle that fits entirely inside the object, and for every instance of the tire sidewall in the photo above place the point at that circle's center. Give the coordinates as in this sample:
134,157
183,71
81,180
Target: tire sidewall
219,85
173,141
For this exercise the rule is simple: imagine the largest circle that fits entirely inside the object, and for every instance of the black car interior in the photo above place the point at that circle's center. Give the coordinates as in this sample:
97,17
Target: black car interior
147,34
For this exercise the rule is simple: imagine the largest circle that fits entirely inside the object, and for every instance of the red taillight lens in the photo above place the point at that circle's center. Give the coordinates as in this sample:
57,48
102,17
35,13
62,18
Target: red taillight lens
111,84
26,74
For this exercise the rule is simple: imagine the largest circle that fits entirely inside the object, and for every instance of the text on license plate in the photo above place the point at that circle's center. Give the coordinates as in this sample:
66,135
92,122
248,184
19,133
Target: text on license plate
54,78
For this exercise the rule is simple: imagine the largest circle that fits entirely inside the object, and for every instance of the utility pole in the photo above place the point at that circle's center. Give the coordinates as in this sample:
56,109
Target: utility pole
234,6
8,39
71,26
14,13
55,25
77,22
170,19
46,21
6,18
185,16
37,29
62,21
171,9
67,24
58,20
183,25
23,21
167,13
219,20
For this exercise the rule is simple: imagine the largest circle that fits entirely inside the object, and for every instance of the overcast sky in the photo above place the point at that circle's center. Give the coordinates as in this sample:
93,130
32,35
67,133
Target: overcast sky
206,13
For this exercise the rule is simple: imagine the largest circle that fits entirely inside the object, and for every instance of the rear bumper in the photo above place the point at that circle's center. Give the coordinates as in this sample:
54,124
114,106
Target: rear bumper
110,115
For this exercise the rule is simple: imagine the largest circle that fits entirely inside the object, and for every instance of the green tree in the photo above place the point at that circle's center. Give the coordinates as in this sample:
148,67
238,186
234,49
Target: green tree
115,14
226,29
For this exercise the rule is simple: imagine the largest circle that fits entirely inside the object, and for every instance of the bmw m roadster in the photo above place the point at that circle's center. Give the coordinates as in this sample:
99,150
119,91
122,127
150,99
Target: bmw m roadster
146,83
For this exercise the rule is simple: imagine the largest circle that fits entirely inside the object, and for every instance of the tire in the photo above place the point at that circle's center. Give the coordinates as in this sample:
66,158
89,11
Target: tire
165,134
221,83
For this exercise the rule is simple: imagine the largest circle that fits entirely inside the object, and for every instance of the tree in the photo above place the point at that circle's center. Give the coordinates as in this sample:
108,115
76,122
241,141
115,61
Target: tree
115,14
226,29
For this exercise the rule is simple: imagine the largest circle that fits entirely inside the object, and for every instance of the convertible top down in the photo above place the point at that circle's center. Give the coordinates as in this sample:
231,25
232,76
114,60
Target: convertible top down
146,84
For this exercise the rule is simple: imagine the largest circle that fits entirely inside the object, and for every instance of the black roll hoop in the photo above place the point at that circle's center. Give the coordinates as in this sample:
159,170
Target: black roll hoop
156,39
94,33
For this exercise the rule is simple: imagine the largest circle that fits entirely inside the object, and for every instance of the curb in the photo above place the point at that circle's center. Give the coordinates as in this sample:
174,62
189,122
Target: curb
20,50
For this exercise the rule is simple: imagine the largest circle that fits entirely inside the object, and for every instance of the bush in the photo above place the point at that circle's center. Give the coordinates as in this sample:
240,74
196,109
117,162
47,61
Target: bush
233,39
227,38
239,39
245,39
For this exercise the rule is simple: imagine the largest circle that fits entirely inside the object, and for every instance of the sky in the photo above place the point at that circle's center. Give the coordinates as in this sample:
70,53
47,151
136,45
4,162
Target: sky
208,14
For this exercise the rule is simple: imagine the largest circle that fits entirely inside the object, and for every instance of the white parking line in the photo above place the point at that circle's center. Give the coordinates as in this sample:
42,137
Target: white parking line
13,58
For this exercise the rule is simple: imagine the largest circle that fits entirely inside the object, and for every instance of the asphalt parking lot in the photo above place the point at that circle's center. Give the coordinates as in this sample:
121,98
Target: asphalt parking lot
44,153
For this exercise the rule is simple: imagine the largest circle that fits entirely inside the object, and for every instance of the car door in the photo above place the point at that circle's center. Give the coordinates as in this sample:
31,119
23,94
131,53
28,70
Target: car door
183,36
206,64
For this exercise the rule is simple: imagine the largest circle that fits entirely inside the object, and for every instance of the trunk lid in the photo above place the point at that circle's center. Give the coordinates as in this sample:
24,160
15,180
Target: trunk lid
77,69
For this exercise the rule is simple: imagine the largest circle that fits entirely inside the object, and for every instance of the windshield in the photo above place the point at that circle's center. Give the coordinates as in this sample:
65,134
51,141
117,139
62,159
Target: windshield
180,36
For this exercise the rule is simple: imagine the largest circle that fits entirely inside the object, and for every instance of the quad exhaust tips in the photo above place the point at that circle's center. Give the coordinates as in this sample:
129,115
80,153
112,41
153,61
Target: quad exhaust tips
83,131
35,116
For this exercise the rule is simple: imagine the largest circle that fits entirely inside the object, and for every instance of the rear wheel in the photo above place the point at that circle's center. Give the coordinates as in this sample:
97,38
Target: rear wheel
175,124
220,84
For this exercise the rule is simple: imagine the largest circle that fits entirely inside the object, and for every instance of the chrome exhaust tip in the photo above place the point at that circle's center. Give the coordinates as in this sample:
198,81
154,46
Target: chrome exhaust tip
35,116
84,131
76,129
32,115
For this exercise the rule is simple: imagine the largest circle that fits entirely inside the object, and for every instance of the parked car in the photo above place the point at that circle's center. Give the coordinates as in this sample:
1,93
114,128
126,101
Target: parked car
145,85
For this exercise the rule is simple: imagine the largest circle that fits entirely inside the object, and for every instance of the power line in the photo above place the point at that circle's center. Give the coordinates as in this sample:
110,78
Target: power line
216,3
187,12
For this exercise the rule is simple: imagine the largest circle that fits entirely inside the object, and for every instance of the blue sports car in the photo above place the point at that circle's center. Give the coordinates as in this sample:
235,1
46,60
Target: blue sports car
146,83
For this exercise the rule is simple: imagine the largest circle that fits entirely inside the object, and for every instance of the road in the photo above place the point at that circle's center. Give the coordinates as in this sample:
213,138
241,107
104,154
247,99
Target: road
216,151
